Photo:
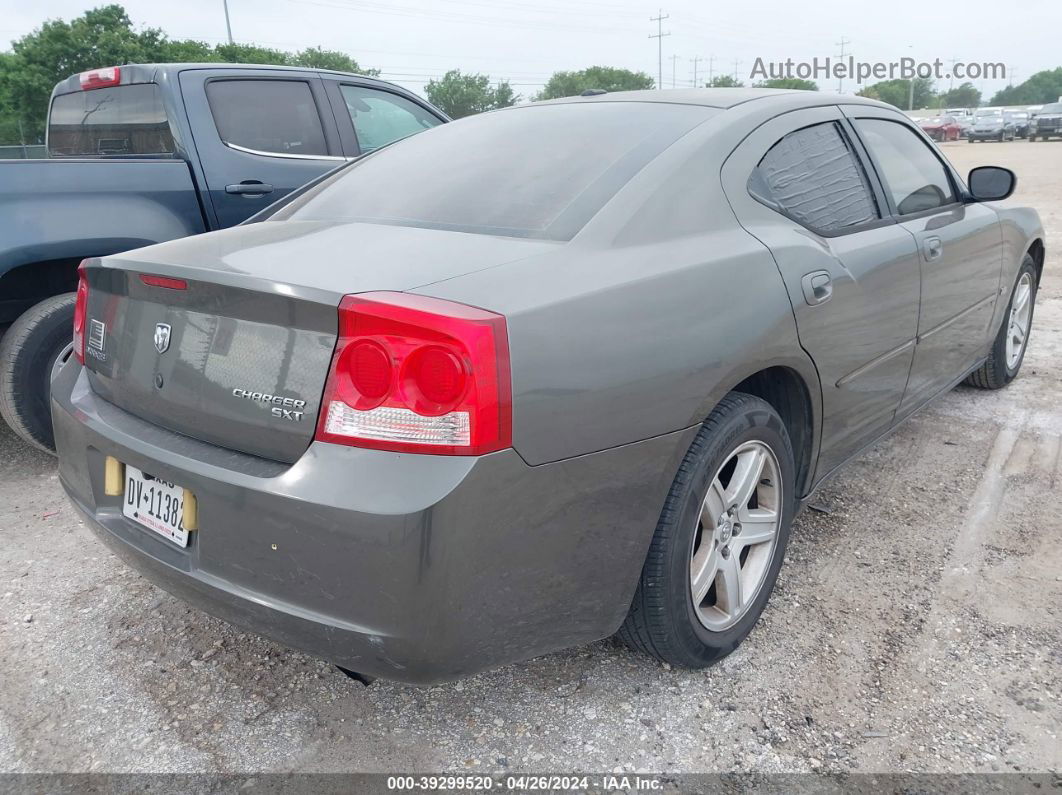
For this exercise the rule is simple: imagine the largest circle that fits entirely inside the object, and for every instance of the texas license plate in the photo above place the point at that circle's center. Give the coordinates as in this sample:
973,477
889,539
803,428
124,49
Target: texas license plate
156,504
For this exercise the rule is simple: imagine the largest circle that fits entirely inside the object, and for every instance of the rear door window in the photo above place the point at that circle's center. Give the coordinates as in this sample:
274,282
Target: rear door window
120,120
380,117
913,175
275,117
813,176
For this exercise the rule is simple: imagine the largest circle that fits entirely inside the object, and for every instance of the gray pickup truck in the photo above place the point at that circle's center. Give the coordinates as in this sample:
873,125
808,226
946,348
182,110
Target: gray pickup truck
139,154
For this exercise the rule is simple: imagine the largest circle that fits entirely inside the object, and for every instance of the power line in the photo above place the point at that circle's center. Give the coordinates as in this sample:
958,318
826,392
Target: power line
659,36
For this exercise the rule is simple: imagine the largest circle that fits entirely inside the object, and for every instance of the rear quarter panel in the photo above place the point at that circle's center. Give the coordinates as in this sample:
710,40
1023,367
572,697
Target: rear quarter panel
643,322
1020,227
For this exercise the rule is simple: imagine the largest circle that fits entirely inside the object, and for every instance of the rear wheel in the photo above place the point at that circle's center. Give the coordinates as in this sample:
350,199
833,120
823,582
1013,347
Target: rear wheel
1008,348
31,352
721,538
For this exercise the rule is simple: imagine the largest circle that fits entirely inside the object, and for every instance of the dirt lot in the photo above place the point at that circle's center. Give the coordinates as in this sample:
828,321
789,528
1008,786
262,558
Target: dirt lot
917,626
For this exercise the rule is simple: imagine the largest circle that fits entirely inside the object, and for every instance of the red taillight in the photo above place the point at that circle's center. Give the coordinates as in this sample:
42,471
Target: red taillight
100,78
163,281
80,306
419,375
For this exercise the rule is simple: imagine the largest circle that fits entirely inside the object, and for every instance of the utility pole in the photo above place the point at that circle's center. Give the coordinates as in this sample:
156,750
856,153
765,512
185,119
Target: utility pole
737,63
659,36
951,74
228,25
674,60
711,70
696,60
842,44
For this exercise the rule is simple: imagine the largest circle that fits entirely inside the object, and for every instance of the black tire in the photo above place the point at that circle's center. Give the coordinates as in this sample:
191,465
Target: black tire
662,621
1032,139
28,353
995,372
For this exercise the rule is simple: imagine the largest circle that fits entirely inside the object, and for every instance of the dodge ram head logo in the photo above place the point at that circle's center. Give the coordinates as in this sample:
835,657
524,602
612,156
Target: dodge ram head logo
162,337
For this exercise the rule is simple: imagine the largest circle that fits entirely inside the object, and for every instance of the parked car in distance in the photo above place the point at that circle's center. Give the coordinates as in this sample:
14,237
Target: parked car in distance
991,125
139,154
472,399
1020,120
941,128
1047,122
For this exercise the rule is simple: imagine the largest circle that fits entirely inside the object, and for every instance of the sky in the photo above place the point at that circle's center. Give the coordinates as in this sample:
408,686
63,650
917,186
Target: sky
524,41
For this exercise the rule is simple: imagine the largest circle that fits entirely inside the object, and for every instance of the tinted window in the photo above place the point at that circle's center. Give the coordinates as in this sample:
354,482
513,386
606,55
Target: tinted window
537,171
122,120
275,116
813,176
913,175
381,117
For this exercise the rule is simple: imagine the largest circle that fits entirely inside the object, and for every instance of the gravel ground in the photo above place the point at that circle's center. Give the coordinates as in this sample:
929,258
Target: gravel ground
916,627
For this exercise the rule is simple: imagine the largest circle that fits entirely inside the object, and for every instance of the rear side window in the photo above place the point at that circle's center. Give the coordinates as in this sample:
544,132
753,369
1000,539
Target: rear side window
536,171
913,175
276,117
813,176
121,120
381,117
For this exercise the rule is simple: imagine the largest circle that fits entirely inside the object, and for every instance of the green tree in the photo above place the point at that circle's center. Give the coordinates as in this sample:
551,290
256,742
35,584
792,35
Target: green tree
963,96
789,82
105,36
101,37
725,81
460,94
330,59
898,92
1042,87
606,78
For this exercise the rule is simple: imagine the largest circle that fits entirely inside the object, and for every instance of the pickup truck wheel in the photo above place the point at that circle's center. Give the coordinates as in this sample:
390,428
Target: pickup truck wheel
721,538
31,351
1008,348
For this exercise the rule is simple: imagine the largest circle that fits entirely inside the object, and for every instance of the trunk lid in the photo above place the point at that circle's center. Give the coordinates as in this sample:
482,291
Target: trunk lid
237,352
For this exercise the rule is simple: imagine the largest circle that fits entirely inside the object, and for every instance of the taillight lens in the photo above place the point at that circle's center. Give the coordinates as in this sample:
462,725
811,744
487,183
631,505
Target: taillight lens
80,306
419,375
100,78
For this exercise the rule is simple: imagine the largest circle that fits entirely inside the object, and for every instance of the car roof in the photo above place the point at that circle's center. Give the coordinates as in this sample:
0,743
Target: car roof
724,98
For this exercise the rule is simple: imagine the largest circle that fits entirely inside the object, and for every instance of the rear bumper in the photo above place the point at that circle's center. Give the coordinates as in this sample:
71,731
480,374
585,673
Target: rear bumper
985,136
413,568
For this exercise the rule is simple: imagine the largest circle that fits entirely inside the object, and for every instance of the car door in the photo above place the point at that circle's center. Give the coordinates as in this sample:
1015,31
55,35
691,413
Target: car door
259,135
370,116
799,185
960,249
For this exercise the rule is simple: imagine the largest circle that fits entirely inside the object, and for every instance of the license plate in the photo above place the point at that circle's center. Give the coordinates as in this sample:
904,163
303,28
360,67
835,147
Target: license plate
155,504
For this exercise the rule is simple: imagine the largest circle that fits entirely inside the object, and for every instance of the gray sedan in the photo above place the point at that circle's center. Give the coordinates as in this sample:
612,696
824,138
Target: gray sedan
538,376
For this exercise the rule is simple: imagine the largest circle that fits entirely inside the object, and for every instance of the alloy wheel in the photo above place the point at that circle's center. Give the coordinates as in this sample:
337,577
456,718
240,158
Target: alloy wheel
1018,323
735,536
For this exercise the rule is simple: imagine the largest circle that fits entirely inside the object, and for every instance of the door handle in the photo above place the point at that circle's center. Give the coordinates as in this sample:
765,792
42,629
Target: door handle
932,247
817,287
250,187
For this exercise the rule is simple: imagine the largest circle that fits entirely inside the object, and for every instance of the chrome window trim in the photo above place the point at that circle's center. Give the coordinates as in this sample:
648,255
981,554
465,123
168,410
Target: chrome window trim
289,156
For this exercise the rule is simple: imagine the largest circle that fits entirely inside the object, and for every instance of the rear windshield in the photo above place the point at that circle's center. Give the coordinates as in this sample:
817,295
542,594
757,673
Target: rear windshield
538,171
121,120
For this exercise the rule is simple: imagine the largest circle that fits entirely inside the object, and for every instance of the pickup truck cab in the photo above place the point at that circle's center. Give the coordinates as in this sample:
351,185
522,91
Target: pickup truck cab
139,154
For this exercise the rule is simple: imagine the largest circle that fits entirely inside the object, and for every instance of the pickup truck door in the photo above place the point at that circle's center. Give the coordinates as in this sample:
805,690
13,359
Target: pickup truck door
259,134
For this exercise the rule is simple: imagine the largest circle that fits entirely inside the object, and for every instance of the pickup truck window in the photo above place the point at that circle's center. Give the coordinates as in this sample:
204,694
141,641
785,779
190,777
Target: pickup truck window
380,117
276,117
121,120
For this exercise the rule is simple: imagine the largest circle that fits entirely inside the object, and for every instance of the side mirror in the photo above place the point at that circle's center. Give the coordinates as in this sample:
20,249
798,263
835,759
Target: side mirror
991,183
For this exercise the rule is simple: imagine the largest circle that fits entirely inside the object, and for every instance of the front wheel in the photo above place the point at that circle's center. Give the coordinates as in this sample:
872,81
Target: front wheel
721,538
1008,348
31,352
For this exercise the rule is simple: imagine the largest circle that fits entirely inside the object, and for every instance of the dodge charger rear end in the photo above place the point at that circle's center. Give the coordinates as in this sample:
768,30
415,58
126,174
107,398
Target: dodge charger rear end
535,377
